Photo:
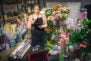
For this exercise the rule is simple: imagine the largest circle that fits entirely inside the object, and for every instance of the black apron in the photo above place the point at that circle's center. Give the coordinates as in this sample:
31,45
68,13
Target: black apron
38,35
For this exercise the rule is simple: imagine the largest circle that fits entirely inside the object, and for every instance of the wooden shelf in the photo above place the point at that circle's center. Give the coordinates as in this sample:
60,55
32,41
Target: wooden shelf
10,4
1,19
13,17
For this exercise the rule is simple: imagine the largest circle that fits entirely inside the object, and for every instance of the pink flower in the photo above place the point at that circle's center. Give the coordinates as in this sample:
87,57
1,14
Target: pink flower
82,15
64,33
69,34
62,43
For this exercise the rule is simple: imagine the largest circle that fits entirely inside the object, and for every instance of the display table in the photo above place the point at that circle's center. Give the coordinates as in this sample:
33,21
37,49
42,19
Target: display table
25,51
22,57
6,54
20,51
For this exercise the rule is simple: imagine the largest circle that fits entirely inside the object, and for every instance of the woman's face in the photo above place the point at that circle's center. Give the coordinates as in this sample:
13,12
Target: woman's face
36,9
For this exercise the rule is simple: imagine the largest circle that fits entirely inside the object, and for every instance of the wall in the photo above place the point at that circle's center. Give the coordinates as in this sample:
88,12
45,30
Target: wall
75,7
84,2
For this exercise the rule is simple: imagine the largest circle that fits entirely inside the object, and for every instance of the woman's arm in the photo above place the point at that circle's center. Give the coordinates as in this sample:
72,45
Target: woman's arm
44,22
29,22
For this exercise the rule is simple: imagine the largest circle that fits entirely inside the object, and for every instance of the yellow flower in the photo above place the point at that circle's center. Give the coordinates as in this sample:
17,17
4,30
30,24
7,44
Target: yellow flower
57,7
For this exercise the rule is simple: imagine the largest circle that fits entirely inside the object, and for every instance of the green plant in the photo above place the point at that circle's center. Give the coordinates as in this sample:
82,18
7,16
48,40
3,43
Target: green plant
86,22
79,36
50,24
49,12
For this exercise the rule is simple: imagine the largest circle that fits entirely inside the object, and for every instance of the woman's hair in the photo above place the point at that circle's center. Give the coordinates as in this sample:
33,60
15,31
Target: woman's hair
36,5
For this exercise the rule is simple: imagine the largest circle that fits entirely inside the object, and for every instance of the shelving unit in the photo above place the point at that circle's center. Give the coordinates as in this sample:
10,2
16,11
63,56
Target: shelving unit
5,4
1,17
4,57
13,17
26,4
10,4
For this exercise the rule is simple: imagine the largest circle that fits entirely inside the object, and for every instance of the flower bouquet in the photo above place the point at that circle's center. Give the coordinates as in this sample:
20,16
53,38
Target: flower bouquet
56,17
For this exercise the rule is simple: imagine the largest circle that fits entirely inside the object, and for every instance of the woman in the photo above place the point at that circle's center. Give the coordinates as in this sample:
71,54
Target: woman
38,23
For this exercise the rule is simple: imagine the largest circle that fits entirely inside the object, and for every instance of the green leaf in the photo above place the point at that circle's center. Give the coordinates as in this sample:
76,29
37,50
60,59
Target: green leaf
49,12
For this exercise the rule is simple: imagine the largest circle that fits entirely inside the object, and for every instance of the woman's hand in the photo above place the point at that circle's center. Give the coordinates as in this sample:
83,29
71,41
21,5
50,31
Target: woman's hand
40,26
43,26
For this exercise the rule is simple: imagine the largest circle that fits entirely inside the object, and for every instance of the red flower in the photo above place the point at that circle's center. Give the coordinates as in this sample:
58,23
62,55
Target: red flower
82,45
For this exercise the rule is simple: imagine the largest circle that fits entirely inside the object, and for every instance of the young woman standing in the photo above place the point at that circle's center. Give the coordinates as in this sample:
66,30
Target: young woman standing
38,23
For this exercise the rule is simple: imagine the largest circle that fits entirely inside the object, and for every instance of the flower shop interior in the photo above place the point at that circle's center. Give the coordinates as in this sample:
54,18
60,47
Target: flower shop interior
68,33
